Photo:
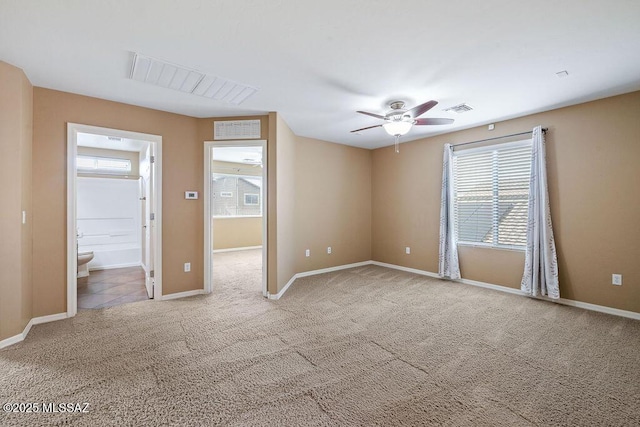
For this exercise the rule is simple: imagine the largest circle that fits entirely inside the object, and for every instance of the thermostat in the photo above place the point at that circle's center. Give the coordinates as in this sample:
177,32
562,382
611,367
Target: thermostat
190,194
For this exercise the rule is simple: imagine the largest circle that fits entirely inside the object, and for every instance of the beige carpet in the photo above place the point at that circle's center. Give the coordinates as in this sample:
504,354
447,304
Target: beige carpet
366,346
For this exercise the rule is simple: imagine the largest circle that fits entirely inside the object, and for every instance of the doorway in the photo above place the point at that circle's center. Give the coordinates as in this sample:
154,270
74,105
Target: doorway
114,228
235,199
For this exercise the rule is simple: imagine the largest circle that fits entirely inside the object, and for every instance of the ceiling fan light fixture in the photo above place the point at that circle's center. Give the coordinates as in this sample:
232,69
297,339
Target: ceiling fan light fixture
397,128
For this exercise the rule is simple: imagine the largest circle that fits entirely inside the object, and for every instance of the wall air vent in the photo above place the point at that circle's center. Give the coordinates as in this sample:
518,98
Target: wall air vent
171,76
460,108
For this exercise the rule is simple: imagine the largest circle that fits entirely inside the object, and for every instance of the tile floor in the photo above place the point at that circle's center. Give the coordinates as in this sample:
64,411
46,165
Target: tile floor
106,288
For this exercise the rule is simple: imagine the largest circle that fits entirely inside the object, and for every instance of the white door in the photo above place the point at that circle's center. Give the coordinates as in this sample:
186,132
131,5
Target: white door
147,176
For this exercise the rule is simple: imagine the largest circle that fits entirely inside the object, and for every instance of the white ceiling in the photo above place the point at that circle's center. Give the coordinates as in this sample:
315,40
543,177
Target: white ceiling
318,62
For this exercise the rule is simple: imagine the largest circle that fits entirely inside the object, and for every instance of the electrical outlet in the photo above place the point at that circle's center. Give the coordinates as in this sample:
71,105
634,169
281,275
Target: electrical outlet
407,250
187,267
616,279
491,126
329,250
307,253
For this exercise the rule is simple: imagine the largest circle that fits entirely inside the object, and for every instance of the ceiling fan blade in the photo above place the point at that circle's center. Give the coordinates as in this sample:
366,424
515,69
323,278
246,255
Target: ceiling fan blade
423,122
422,108
377,116
370,127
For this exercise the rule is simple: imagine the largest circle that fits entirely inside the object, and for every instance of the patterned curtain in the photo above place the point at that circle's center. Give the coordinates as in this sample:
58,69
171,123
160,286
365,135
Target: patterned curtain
448,266
541,263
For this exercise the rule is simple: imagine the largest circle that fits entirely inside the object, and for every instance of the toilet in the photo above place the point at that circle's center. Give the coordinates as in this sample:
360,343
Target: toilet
83,263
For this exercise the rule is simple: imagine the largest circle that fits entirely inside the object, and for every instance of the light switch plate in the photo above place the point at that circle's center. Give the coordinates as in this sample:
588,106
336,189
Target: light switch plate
191,195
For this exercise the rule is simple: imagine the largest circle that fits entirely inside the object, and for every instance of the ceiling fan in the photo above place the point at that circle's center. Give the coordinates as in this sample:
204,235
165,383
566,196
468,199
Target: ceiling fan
398,121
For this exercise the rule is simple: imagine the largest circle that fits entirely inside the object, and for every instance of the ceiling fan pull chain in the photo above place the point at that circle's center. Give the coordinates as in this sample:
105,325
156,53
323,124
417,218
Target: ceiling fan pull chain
397,143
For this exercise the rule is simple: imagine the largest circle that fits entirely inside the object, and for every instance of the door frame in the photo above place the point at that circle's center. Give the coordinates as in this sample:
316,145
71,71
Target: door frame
73,129
208,230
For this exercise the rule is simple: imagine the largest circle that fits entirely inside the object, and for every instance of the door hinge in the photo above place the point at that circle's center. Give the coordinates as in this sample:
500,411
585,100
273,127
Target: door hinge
153,159
152,274
152,216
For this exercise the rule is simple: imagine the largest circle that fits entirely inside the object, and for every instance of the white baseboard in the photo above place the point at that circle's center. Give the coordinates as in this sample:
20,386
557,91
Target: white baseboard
563,301
407,269
35,321
246,248
114,266
182,294
313,273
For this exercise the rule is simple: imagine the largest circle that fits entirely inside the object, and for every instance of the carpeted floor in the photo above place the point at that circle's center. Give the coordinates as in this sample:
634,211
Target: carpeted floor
366,346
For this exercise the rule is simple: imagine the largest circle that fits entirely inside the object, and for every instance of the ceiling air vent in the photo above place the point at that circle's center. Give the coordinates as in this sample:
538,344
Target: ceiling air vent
171,76
460,108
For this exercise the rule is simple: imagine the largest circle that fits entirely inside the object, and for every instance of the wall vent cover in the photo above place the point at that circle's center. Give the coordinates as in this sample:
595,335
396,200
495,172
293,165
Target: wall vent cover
460,108
177,77
236,129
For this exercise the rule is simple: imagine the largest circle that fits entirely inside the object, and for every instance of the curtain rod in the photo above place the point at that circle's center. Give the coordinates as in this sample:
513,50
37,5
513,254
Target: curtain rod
497,137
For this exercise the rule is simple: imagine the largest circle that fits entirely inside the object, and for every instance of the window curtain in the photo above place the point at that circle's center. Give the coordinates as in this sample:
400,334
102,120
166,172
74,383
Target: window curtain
448,266
541,264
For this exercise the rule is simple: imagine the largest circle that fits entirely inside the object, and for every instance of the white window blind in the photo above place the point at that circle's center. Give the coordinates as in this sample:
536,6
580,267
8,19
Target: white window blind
491,193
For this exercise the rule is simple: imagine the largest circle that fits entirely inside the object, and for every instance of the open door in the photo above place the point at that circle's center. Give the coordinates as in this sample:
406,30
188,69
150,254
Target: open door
148,220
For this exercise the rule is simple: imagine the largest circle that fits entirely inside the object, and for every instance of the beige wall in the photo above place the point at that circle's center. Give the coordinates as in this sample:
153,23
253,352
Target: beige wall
16,290
324,199
592,159
182,169
236,232
133,156
332,204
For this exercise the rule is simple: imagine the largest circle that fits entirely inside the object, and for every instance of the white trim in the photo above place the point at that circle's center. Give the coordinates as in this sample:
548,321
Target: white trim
407,269
72,137
35,321
246,248
208,231
14,339
313,273
283,290
330,269
50,318
563,301
114,266
183,294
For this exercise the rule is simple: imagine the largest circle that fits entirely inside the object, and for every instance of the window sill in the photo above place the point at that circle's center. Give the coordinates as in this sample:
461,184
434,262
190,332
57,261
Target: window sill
500,248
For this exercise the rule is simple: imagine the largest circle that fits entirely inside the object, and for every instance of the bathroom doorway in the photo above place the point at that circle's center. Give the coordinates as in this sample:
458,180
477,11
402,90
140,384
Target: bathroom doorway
113,217
235,201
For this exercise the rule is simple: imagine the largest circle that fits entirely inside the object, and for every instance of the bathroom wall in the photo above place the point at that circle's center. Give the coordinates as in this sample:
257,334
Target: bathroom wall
109,219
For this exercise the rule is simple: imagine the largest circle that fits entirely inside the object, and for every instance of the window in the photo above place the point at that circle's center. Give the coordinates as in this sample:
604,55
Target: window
236,195
251,199
491,194
103,165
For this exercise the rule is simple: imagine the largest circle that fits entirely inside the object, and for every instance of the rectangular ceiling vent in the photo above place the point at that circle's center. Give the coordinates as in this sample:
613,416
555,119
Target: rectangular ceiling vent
171,76
460,108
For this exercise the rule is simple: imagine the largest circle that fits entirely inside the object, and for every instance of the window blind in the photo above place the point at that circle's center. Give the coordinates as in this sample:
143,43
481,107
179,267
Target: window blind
491,193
